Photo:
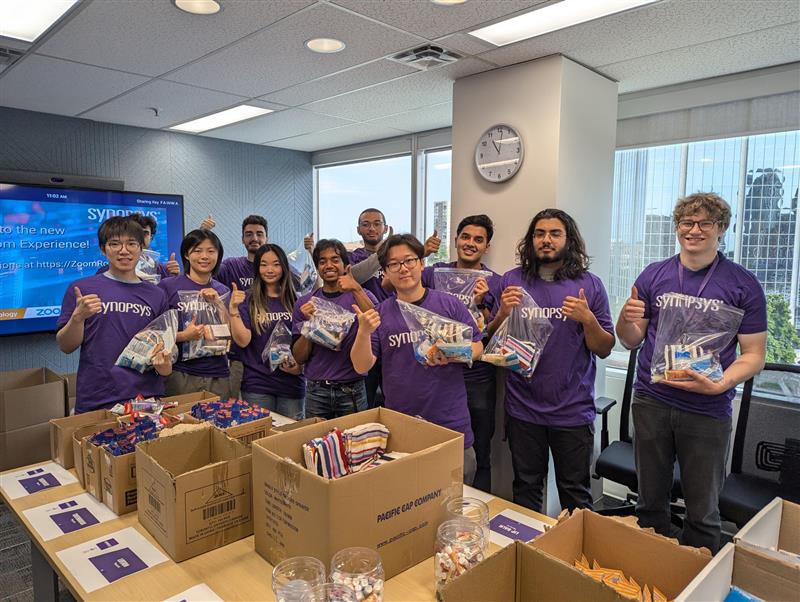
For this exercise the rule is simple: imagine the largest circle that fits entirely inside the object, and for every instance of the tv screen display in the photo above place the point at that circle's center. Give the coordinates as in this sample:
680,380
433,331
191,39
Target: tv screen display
48,238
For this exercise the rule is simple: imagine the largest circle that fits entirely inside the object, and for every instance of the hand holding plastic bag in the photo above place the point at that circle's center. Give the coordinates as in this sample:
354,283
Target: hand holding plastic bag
329,325
438,336
278,349
461,283
212,316
147,266
304,273
692,333
518,343
155,338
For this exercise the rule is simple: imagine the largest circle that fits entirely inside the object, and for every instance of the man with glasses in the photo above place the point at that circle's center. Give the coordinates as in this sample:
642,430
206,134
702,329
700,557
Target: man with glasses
102,313
690,420
436,392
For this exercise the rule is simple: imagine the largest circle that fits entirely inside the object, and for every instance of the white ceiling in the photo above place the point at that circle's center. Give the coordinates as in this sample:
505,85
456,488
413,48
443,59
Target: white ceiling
112,60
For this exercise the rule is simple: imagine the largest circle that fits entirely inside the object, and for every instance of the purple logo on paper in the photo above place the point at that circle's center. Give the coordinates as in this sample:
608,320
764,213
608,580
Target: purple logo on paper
39,483
68,504
118,564
508,527
107,544
74,520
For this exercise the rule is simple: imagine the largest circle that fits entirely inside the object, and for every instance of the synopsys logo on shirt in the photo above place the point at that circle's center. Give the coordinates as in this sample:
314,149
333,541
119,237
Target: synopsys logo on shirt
687,302
126,307
543,313
245,282
404,338
194,306
276,316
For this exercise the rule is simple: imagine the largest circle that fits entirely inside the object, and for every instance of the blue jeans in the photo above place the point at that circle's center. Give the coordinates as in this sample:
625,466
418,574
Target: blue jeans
328,400
286,406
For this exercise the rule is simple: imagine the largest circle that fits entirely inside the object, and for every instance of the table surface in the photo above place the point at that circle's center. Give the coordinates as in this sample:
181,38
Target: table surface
234,572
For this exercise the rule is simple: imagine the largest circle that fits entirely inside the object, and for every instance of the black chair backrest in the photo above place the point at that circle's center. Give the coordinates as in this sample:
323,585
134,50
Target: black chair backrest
625,431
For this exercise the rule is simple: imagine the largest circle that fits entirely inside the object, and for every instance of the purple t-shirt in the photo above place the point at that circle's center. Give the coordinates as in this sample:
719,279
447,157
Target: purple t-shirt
324,363
480,372
730,283
437,393
561,392
215,367
240,271
257,377
127,309
372,285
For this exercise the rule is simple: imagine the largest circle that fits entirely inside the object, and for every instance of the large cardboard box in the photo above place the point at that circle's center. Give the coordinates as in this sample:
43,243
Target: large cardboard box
395,508
775,528
28,399
61,429
769,579
79,437
194,491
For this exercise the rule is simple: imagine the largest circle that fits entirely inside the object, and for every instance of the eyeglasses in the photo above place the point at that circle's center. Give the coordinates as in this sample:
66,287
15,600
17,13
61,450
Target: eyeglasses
116,245
410,263
373,224
554,234
687,225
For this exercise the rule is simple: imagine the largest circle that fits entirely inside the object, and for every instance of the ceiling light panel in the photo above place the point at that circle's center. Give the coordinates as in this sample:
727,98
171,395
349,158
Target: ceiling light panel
217,120
28,19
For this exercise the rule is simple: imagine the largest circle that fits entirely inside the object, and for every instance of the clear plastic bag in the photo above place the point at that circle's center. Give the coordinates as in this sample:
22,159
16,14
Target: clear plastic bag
279,347
147,266
154,338
691,334
329,325
304,273
213,316
518,343
461,283
437,334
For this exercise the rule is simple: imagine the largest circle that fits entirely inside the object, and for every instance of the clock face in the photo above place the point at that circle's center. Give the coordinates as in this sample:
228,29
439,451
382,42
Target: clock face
498,154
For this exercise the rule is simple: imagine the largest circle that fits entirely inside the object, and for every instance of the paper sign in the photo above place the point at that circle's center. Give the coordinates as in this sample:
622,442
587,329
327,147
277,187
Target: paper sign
32,480
510,526
477,494
104,560
198,593
65,516
279,420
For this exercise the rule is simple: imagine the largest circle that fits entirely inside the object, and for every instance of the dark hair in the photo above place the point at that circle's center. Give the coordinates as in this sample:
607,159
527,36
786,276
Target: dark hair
145,221
482,220
372,210
258,293
255,220
576,261
117,226
194,238
395,240
330,243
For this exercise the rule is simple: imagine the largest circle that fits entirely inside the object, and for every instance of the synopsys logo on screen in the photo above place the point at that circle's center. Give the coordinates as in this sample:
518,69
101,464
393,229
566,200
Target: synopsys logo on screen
96,214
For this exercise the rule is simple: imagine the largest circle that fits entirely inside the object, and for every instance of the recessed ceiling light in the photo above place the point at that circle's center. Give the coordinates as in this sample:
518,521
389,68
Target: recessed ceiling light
198,7
552,18
217,120
325,45
448,2
27,20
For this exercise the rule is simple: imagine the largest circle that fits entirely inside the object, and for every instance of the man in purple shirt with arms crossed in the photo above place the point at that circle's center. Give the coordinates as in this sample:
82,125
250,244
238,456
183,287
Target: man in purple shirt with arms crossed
690,420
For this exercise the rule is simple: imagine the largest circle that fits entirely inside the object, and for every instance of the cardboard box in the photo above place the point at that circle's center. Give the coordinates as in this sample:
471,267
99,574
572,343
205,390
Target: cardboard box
28,399
246,433
72,390
79,435
61,429
776,527
186,401
395,508
194,490
741,565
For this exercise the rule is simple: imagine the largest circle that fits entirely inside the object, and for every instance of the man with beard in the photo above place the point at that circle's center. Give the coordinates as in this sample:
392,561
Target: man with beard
555,409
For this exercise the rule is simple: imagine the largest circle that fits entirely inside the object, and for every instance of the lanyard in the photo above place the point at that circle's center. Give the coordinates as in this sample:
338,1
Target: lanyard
705,281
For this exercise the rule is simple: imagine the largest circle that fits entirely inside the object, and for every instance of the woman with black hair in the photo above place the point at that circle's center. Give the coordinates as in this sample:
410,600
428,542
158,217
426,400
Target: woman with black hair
201,252
254,315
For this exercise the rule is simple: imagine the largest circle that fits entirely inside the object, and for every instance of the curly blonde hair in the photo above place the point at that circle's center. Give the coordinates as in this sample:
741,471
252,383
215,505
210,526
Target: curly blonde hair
714,205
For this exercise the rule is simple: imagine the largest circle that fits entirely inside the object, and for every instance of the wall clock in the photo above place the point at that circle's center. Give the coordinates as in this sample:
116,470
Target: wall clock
499,153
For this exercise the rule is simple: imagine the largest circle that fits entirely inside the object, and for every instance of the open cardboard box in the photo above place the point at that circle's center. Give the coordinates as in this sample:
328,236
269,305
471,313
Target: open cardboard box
61,430
776,527
395,508
80,435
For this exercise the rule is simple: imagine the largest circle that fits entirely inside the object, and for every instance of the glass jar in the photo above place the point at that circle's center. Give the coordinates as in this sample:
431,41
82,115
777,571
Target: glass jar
330,592
294,577
361,569
460,545
472,509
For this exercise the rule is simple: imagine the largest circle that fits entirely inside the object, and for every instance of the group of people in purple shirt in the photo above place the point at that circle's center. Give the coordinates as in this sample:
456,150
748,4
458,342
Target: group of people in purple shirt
553,412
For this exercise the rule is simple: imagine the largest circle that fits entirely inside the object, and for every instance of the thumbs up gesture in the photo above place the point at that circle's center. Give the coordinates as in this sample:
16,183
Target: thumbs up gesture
237,298
633,310
85,305
368,321
577,308
347,282
432,244
208,223
172,265
193,330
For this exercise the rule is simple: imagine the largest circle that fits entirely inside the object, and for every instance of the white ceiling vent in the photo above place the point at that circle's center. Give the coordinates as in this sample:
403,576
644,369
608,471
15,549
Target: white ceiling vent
426,57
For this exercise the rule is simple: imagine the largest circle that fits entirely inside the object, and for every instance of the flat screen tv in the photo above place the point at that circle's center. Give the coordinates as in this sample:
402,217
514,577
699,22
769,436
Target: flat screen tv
48,238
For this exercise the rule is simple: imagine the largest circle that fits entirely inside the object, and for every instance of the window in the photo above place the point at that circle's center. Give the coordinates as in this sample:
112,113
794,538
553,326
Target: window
758,176
438,169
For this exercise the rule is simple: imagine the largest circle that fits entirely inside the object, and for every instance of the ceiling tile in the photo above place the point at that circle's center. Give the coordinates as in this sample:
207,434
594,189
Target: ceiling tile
153,36
420,120
465,43
176,103
38,83
343,136
282,124
339,83
432,21
277,58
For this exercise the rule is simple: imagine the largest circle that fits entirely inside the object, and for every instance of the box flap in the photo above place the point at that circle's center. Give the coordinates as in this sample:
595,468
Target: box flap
789,539
30,397
764,528
493,580
762,576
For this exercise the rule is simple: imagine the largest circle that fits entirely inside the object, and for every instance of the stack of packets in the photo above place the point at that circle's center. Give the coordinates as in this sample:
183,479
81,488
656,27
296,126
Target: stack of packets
739,595
438,335
615,579
512,353
141,405
353,450
224,414
156,337
680,359
329,325
122,439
